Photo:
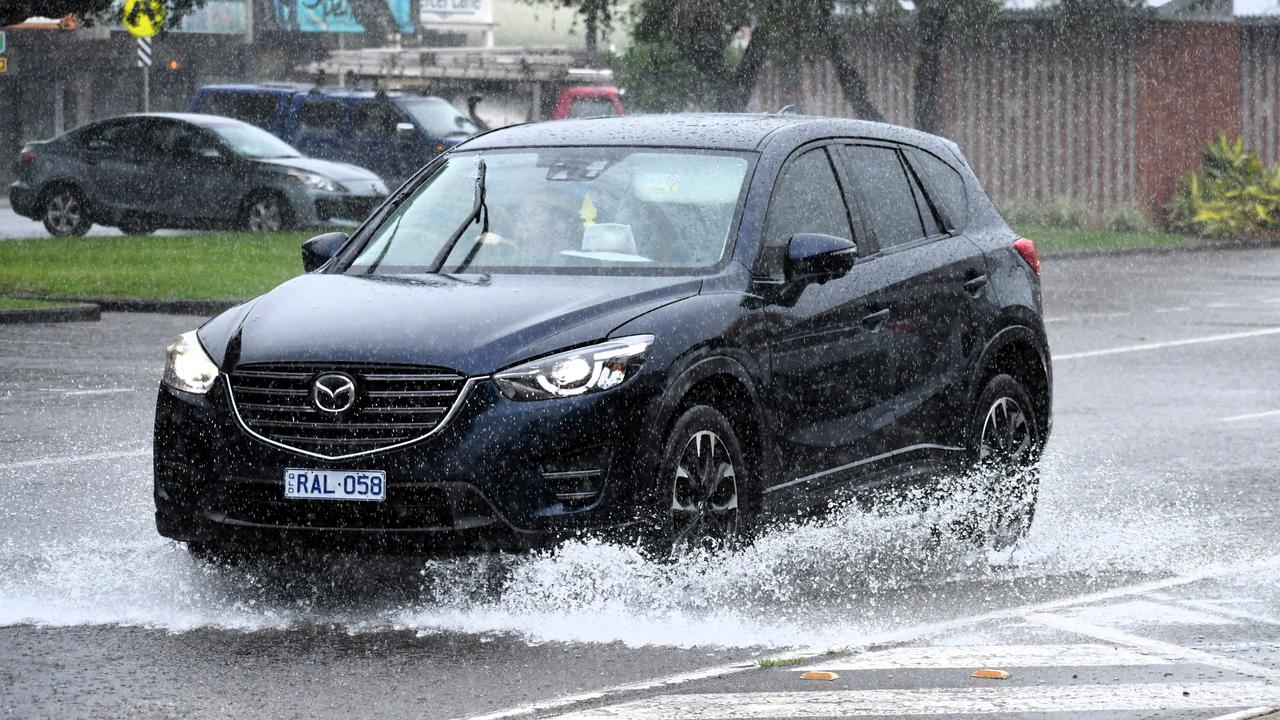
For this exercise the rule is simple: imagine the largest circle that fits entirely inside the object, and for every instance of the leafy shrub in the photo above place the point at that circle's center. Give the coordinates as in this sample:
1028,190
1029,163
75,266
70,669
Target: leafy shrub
1060,212
1126,218
1233,194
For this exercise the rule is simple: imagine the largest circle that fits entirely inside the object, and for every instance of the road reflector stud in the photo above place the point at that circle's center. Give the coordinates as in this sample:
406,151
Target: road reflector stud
819,675
989,674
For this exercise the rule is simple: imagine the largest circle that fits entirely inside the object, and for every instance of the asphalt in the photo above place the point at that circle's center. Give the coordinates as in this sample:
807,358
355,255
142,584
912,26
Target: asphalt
1157,537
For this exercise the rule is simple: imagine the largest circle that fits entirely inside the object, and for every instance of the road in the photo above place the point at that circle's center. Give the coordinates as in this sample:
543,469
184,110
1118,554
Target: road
1150,585
13,226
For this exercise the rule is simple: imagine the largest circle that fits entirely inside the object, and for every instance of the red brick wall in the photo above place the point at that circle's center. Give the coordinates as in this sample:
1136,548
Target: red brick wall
1189,85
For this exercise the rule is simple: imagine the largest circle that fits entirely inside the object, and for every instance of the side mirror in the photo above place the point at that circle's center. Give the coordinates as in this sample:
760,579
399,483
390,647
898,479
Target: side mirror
406,131
818,258
320,249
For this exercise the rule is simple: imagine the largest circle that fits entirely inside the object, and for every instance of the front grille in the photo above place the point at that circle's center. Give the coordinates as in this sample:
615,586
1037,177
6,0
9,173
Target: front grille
393,404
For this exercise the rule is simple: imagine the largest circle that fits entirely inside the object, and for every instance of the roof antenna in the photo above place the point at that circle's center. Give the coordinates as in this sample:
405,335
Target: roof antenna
788,109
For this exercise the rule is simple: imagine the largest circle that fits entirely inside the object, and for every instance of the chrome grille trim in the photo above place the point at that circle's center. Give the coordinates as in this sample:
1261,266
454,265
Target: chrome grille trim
463,393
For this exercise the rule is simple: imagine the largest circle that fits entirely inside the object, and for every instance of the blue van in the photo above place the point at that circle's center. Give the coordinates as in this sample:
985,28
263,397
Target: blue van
393,134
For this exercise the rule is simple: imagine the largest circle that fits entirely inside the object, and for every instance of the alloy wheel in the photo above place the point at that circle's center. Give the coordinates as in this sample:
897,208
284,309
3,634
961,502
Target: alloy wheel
704,498
63,214
265,215
1006,438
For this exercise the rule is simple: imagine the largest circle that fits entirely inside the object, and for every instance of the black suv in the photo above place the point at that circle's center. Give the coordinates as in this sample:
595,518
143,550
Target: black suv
672,327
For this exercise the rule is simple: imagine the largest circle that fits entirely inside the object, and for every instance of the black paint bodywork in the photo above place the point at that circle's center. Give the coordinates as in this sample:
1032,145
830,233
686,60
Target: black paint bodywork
848,377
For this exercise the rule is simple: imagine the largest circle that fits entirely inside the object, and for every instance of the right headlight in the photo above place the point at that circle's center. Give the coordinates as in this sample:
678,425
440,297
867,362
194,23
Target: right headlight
188,367
576,372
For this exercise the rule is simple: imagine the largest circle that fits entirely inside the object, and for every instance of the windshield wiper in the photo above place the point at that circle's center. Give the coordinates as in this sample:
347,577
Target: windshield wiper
478,208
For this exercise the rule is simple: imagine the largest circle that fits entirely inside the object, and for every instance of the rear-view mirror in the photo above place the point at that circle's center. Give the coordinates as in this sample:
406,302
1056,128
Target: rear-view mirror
320,249
817,257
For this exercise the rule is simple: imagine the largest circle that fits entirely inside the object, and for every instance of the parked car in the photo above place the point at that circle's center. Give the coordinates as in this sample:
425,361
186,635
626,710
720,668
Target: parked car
663,327
582,101
148,171
393,134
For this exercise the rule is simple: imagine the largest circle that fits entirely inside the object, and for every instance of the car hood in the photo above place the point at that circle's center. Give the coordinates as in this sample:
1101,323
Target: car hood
342,172
474,324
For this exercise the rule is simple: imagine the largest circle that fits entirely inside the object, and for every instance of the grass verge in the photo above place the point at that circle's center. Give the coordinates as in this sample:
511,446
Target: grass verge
215,266
1049,239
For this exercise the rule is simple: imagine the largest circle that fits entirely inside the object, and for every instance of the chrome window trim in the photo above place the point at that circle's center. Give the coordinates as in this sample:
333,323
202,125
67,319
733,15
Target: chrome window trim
864,461
463,394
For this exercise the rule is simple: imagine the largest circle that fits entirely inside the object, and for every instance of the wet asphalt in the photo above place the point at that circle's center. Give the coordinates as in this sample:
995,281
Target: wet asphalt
1162,466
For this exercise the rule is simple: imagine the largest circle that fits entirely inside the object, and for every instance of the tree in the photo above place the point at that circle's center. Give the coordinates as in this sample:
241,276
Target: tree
88,11
596,14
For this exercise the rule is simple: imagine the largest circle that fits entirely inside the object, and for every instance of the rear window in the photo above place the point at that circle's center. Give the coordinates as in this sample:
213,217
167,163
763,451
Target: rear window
321,117
888,198
945,186
259,109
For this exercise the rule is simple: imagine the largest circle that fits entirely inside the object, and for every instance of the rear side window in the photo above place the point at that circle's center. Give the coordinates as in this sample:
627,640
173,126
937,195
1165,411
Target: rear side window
806,199
889,200
259,109
376,118
321,117
116,135
945,186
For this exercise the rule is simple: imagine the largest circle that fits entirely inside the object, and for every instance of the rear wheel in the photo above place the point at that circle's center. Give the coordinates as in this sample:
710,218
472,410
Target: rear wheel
65,212
1006,442
265,212
702,481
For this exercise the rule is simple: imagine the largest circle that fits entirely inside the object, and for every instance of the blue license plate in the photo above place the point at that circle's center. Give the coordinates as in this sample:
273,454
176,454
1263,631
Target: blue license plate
308,484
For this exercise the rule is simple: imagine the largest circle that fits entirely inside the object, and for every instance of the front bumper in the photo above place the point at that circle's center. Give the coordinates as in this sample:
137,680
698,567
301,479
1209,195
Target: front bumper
501,473
317,208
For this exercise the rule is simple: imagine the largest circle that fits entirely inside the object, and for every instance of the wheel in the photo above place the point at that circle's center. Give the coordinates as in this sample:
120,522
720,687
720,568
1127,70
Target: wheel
702,499
1005,446
265,212
135,226
65,212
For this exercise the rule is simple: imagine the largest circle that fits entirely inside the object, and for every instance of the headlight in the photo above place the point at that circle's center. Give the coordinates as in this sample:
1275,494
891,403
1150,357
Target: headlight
576,372
189,368
315,182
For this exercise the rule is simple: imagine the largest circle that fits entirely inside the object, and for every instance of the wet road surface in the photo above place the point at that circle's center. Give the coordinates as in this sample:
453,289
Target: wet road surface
1160,487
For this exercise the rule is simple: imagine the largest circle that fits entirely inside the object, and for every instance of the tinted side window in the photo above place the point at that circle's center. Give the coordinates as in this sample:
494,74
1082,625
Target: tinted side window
321,117
376,118
889,201
806,199
945,186
108,136
258,109
591,107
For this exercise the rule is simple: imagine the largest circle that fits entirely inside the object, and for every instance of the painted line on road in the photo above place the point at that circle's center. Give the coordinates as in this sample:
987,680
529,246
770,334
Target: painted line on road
905,635
1251,416
974,656
1218,609
1169,650
990,699
1169,344
65,459
101,391
1249,714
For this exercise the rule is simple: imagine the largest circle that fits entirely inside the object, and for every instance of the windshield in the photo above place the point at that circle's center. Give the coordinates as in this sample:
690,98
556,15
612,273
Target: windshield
251,142
615,210
438,117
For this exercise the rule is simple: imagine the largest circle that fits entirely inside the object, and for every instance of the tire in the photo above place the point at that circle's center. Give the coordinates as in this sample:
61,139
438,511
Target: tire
265,212
65,212
1005,443
132,226
703,499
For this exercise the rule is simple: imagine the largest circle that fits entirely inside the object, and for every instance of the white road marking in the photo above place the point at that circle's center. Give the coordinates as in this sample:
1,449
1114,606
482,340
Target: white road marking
986,699
1169,650
904,635
103,391
1249,714
1163,311
976,656
64,459
1251,416
1087,316
1230,612
1169,344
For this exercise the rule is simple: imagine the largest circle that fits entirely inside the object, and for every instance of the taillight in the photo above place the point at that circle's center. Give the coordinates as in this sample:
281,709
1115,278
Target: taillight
27,156
1027,250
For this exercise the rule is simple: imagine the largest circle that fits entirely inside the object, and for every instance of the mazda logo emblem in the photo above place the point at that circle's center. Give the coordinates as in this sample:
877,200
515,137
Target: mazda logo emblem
334,392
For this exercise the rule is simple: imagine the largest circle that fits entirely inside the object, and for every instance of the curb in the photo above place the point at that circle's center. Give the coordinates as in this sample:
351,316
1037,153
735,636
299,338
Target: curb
80,312
1163,249
137,305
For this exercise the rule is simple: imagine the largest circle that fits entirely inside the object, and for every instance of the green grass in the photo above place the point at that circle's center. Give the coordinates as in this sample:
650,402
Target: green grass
781,662
24,304
221,266
1049,239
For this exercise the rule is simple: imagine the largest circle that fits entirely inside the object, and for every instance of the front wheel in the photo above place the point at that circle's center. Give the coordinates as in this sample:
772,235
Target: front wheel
703,486
1006,442
66,213
265,212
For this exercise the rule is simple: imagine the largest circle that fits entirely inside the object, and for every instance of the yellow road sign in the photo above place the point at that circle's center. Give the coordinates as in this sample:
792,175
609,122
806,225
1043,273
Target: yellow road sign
4,64
143,18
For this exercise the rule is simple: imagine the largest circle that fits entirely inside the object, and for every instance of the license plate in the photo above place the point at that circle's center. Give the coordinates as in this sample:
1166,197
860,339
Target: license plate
307,484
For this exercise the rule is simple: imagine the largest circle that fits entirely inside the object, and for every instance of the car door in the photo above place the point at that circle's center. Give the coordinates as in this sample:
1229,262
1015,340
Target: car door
112,172
932,275
203,179
829,364
321,128
381,149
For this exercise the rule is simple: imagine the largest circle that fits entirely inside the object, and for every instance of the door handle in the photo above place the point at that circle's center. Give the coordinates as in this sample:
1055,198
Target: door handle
974,285
876,319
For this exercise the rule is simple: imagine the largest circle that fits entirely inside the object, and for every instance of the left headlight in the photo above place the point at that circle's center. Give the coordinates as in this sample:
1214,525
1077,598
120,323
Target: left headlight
315,182
188,367
576,372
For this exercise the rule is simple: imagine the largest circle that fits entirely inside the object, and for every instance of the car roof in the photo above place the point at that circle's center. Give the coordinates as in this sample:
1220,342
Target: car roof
201,119
717,131
304,88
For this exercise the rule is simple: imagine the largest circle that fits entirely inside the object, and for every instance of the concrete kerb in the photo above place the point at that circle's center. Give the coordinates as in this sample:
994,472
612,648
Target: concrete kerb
79,312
